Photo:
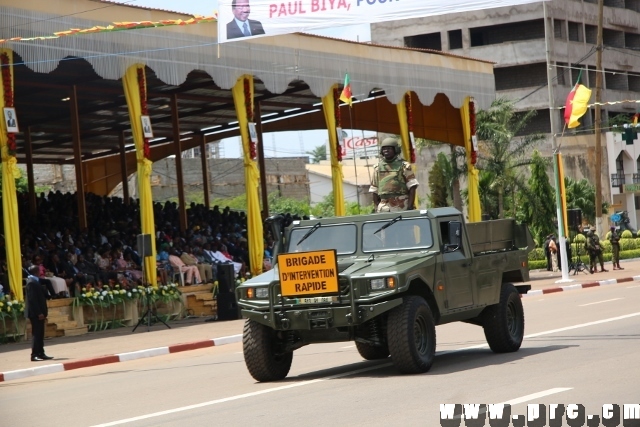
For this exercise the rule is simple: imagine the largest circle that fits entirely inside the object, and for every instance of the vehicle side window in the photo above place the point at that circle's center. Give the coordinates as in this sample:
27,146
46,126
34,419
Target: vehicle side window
451,236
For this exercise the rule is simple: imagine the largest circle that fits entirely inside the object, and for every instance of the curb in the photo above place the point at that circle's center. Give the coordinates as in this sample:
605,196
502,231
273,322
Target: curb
581,286
114,358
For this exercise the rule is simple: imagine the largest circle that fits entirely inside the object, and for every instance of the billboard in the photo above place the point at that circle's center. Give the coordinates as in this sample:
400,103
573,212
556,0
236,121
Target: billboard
241,19
358,147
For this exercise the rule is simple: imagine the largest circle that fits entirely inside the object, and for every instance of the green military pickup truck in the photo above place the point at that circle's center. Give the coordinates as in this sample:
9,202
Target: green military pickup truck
385,281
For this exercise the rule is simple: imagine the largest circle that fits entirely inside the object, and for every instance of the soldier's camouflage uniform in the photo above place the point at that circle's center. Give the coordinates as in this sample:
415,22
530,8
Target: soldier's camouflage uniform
392,181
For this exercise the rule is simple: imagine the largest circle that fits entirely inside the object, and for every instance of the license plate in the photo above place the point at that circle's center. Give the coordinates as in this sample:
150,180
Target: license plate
316,300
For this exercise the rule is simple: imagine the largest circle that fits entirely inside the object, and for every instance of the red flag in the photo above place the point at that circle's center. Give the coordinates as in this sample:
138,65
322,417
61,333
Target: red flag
345,96
576,105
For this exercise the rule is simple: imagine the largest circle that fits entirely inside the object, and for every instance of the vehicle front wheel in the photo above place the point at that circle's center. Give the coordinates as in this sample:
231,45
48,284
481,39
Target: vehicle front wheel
503,323
262,356
411,334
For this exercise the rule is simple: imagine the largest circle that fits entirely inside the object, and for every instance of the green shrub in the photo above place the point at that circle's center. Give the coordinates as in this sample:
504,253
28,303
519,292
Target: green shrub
536,255
606,246
626,234
627,244
579,239
537,265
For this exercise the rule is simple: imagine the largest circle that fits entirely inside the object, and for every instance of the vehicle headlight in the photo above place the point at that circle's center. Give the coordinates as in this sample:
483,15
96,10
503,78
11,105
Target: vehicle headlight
262,292
382,283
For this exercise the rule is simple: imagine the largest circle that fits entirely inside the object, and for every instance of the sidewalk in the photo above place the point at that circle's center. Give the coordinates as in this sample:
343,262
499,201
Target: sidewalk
121,345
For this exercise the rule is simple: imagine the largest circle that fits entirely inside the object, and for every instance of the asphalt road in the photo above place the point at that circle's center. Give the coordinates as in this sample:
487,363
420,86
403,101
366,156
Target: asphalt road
580,347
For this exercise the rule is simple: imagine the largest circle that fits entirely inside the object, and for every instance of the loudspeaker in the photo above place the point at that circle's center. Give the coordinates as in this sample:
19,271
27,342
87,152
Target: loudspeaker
226,279
144,245
574,216
228,307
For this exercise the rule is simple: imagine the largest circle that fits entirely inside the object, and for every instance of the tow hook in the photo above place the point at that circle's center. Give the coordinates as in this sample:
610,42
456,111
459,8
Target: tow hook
349,318
285,323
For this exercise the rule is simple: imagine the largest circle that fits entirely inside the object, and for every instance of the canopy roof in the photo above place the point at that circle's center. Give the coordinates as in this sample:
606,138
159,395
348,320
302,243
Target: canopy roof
291,72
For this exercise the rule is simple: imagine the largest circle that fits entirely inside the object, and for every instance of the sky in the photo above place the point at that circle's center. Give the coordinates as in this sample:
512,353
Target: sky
282,144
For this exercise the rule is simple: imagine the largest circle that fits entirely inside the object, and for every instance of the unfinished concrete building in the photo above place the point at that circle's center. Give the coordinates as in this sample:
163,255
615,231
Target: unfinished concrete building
514,38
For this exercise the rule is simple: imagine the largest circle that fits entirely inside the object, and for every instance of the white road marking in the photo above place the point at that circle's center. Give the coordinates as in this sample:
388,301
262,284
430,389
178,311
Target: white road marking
349,346
535,396
346,374
599,302
634,286
242,396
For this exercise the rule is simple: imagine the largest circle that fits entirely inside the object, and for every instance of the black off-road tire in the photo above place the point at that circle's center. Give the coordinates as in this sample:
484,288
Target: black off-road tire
371,352
503,323
263,361
411,334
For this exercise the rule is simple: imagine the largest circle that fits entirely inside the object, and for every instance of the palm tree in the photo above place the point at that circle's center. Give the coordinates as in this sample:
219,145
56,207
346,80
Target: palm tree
456,168
318,153
582,195
502,153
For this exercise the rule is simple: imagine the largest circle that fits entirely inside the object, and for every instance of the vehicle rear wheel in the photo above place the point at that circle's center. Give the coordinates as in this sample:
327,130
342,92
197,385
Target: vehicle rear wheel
411,334
503,323
371,352
261,355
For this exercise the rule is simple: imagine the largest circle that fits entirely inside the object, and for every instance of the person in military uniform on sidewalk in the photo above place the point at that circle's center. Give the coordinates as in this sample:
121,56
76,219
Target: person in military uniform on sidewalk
595,251
614,238
394,183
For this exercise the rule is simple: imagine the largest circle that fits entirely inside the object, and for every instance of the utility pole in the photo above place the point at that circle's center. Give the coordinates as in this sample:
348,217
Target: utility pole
548,33
598,120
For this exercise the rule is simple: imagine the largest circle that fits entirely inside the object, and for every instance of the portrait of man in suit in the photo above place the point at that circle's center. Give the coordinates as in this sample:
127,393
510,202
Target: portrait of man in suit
10,120
241,25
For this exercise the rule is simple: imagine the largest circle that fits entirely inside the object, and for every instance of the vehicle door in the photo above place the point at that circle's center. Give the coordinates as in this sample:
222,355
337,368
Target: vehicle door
459,279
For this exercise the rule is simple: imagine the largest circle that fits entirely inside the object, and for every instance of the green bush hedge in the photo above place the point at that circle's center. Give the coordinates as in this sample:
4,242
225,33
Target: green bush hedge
536,264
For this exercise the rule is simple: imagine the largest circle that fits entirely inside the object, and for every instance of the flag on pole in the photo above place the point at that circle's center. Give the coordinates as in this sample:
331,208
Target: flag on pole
345,96
576,105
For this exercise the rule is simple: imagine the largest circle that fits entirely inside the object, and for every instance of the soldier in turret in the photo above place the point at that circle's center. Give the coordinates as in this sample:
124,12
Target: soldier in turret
394,183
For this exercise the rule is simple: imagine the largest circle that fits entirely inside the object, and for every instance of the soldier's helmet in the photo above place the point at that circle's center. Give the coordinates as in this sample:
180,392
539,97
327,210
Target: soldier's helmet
390,142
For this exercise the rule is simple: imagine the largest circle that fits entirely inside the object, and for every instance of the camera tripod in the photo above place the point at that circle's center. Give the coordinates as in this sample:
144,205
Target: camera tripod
148,314
576,263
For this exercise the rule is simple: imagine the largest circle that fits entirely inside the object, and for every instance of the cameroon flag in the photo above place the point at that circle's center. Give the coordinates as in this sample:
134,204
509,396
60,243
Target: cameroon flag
345,96
576,105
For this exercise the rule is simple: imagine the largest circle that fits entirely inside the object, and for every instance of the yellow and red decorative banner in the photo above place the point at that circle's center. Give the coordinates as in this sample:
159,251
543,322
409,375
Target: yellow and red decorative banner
576,105
336,110
116,26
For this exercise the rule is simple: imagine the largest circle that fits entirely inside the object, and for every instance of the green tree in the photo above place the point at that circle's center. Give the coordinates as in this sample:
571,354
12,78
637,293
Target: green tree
318,153
538,208
438,185
582,195
22,185
325,208
503,152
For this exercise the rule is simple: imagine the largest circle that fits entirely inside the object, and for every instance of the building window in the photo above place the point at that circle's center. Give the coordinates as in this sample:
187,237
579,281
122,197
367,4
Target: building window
558,29
455,39
613,38
575,32
424,41
591,33
616,80
503,33
614,3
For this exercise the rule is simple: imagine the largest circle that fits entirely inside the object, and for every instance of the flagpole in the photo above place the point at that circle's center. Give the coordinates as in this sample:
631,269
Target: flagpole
598,118
552,117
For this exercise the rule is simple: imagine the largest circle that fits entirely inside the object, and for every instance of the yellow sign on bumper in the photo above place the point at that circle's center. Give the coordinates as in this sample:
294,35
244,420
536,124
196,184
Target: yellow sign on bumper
308,273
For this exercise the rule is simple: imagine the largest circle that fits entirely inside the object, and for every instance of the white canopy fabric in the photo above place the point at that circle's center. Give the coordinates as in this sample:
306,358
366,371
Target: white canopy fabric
173,52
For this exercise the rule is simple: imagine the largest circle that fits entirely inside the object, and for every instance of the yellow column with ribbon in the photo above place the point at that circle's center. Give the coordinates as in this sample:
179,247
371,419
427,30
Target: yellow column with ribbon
405,119
243,99
468,117
135,90
10,172
331,109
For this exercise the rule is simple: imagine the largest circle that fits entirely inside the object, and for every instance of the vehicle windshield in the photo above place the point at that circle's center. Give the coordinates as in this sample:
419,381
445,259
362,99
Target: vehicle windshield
406,233
341,237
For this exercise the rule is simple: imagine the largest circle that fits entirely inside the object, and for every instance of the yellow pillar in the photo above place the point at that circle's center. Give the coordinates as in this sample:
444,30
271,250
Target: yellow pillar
243,99
475,213
404,120
330,107
10,172
135,90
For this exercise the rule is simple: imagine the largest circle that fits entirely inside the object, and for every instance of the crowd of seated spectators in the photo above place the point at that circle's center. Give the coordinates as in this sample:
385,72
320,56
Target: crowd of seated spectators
106,252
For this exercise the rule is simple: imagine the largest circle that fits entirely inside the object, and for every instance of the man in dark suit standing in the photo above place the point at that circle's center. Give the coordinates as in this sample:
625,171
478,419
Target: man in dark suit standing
37,312
241,25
